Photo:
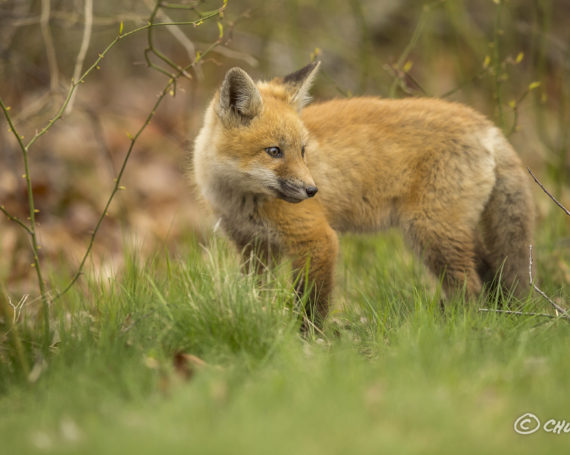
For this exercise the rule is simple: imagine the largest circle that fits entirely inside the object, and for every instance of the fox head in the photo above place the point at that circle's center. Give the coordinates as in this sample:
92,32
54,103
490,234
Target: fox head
254,140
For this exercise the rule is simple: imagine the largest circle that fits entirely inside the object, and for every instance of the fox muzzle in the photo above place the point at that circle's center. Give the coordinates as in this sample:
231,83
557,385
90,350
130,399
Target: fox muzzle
295,191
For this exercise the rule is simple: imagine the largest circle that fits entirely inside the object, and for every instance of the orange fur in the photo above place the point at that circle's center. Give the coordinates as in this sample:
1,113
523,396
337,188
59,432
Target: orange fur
439,171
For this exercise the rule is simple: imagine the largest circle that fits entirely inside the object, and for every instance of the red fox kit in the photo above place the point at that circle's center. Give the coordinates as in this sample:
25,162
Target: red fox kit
284,178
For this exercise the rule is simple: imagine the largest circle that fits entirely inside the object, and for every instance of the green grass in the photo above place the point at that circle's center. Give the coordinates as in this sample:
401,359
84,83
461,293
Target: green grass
391,373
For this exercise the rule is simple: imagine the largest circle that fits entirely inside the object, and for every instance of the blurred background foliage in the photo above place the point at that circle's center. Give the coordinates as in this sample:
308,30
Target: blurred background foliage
508,59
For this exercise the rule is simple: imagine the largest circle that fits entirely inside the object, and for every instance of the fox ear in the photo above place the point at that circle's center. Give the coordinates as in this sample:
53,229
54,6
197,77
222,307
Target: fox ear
299,83
239,97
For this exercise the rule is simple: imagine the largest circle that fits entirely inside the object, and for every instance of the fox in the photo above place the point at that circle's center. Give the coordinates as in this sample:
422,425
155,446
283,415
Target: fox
284,177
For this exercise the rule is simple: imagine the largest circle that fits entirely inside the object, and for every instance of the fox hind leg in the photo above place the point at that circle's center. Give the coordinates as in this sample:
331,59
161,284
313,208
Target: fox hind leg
449,253
507,225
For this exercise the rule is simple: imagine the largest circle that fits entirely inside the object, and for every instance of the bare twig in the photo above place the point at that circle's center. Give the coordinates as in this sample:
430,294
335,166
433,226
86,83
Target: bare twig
117,187
178,6
517,313
13,329
72,18
402,78
237,55
559,310
15,219
406,82
177,33
514,105
48,42
365,49
88,12
33,108
558,203
464,84
399,65
99,135
31,229
152,50
100,57
310,324
497,66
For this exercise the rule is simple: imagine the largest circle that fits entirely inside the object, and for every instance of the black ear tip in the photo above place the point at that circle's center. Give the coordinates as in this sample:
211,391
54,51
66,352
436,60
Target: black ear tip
311,66
301,75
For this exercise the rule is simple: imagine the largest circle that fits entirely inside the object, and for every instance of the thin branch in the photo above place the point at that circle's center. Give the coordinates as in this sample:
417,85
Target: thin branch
176,31
33,107
117,186
405,81
73,18
48,42
147,52
237,55
464,84
15,219
497,66
178,6
151,49
88,11
13,330
365,49
559,310
409,47
558,203
112,44
31,229
311,324
515,107
517,313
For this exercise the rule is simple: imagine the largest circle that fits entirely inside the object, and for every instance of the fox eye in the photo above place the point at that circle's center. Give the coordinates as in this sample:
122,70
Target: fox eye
303,151
274,152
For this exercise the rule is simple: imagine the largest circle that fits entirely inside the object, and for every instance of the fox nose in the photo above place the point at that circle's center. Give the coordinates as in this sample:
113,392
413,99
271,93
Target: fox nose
311,190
